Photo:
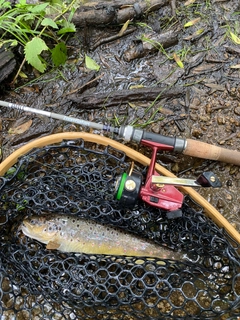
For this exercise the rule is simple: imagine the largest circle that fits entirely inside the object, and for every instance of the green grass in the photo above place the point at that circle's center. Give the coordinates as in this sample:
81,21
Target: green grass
31,27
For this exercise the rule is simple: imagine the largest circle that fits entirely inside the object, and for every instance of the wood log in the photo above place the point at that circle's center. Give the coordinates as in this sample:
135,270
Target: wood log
116,98
7,63
141,48
114,12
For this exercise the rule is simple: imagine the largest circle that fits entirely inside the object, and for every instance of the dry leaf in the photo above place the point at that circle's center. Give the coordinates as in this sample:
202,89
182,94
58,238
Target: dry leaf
215,86
23,75
234,38
20,129
124,28
187,3
192,22
136,86
203,67
178,60
236,66
195,34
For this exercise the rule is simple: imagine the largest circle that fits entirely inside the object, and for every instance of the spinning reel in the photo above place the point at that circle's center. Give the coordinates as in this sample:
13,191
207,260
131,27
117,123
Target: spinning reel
158,191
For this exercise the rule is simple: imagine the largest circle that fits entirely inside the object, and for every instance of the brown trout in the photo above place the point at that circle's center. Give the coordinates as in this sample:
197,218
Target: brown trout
74,234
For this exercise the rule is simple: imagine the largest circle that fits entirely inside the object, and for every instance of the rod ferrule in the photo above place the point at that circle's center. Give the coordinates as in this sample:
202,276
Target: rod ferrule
180,145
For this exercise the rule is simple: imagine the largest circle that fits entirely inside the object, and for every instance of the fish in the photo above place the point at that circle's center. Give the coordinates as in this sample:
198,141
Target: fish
68,233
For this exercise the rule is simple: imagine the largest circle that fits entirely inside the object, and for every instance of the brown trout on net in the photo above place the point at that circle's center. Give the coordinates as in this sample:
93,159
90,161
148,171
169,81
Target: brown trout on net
74,234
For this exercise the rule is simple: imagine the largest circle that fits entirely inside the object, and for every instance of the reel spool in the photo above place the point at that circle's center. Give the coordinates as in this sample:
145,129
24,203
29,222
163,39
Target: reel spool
128,187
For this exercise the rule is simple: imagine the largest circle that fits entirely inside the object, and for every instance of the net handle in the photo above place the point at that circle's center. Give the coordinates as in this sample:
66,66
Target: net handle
134,155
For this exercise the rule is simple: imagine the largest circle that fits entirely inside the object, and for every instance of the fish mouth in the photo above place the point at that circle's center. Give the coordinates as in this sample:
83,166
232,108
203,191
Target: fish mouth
26,229
34,232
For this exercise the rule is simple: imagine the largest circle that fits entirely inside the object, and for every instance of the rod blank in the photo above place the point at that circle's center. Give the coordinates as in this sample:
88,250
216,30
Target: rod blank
57,116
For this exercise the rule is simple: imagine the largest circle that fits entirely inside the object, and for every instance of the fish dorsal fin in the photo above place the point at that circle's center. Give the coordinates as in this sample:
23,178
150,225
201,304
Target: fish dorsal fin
52,245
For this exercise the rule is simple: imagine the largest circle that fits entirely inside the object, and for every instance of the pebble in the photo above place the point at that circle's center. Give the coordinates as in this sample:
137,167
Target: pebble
220,203
197,133
204,118
229,197
237,111
140,113
193,117
229,183
155,128
221,120
238,183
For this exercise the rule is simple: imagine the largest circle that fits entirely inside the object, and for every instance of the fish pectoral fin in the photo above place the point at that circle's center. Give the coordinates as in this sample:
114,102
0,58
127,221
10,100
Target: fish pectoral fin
52,245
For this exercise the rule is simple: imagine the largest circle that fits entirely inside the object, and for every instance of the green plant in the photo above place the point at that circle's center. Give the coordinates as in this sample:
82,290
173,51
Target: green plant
151,119
29,26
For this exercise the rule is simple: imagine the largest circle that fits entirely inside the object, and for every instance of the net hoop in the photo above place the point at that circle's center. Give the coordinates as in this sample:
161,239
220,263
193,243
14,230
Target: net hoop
212,212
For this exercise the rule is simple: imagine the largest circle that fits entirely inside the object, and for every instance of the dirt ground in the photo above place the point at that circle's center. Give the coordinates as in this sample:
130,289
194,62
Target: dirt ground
207,108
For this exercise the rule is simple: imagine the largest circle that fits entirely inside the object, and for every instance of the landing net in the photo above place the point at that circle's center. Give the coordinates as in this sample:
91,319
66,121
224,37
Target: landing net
78,178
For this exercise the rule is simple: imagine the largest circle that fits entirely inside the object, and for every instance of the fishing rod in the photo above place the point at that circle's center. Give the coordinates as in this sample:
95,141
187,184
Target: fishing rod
188,147
154,189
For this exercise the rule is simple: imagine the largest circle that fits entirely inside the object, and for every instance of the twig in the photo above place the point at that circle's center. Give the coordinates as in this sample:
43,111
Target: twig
84,85
111,38
173,7
17,74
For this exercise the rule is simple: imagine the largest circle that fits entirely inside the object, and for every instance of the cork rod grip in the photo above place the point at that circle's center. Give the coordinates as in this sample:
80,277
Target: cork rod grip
207,151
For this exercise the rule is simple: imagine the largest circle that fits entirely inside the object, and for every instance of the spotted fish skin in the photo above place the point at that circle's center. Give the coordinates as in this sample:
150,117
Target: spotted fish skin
73,234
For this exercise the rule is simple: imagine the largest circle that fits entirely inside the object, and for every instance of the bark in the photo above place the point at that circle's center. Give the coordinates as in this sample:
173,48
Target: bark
141,48
114,12
7,63
116,98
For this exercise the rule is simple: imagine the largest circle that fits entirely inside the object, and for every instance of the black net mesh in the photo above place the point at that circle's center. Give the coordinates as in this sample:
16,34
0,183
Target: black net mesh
78,178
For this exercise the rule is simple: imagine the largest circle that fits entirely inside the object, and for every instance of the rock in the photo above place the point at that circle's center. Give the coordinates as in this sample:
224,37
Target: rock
237,111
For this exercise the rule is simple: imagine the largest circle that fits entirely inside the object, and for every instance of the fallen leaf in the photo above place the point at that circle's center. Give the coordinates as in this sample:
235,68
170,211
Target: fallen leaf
187,3
23,75
195,34
178,60
234,38
192,22
136,86
204,67
124,28
215,86
236,66
20,129
91,64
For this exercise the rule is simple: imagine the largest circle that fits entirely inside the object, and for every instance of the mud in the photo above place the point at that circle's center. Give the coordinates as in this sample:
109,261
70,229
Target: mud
208,108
